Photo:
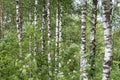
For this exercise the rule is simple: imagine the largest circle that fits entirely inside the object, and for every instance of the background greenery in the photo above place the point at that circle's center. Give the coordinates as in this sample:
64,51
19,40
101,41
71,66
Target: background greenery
10,65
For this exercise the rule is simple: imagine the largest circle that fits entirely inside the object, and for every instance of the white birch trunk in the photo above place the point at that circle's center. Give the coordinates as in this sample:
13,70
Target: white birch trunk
57,40
19,25
83,59
35,27
35,12
49,37
60,37
107,25
43,35
43,29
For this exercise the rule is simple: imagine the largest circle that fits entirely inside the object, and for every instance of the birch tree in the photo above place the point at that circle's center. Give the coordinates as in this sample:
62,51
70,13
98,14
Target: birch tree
93,39
49,37
35,12
35,26
43,33
19,25
83,59
43,27
60,36
56,41
107,25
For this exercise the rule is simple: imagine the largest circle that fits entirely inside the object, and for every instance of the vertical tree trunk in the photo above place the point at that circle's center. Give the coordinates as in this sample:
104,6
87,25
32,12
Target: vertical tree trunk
107,25
43,28
35,12
2,20
35,27
57,40
49,37
92,38
19,33
43,40
19,25
30,13
83,60
60,38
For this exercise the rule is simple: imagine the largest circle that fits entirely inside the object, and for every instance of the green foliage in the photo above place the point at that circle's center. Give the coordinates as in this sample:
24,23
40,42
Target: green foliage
8,52
70,63
35,66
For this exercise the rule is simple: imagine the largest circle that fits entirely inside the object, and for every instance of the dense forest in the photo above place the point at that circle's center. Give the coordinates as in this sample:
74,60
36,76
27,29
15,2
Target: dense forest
59,40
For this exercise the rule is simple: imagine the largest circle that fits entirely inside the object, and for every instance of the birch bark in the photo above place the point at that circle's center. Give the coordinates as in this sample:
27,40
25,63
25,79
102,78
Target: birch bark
49,39
35,27
83,59
19,25
107,25
56,41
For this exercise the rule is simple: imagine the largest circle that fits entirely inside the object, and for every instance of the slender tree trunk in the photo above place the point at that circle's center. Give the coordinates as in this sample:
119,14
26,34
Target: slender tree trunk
2,20
19,25
35,12
35,27
57,41
19,33
92,39
60,38
107,25
30,13
83,60
49,37
60,27
43,28
43,41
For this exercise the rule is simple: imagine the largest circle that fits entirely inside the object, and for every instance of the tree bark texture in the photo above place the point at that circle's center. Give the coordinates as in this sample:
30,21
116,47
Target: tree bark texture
83,59
19,25
107,25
